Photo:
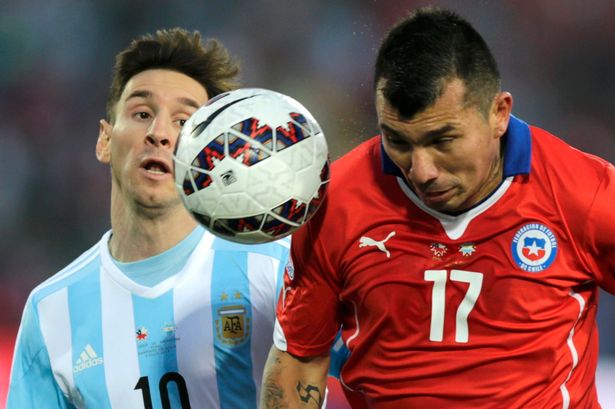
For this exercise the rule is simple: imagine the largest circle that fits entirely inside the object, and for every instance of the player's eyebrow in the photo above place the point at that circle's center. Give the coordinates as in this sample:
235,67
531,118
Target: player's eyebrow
140,93
435,133
390,130
427,136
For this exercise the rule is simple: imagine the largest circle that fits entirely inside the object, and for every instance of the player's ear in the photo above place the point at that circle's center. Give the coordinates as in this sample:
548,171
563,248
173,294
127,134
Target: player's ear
500,112
103,144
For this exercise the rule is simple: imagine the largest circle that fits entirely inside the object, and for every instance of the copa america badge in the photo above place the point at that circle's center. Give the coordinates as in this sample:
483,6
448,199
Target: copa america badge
534,247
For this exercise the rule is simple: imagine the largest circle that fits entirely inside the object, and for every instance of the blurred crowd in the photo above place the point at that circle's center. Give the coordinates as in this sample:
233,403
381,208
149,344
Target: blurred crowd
557,58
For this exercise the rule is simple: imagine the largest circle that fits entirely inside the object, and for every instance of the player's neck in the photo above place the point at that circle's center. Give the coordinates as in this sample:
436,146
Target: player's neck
136,235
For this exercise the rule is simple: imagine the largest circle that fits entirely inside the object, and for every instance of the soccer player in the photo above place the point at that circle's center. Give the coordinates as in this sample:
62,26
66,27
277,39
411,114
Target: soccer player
159,313
461,251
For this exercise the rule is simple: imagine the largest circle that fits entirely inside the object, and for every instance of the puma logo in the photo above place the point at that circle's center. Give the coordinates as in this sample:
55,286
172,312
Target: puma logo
368,241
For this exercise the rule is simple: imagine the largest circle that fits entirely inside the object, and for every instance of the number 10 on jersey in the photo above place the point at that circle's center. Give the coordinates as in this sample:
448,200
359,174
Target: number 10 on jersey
438,301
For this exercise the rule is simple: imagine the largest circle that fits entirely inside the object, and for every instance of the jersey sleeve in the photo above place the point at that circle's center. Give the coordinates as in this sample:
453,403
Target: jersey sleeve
279,279
32,384
599,232
308,311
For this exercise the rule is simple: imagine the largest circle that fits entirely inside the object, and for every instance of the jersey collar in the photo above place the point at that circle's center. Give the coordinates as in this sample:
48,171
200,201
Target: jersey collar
517,152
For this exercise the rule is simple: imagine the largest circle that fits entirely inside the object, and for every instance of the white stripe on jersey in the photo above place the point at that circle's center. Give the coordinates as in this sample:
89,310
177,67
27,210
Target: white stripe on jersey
279,339
261,288
118,329
285,242
195,351
55,327
573,351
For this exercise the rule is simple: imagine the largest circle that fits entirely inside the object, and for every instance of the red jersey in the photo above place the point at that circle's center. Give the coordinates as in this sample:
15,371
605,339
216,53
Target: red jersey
493,308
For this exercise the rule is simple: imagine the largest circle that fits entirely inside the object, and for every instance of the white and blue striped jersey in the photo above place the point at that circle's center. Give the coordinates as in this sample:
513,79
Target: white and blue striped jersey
91,337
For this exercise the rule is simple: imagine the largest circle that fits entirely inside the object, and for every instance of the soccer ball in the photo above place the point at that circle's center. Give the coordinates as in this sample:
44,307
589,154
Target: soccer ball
252,165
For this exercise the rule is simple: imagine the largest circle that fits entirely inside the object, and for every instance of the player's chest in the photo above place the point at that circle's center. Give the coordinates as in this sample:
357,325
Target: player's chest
159,349
516,259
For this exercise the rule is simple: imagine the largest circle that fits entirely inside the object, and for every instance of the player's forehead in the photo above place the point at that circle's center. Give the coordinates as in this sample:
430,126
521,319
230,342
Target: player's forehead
164,86
448,113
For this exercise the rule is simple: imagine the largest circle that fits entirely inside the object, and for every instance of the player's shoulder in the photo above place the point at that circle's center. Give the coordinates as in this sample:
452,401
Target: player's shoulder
364,156
278,249
356,171
557,152
357,182
84,265
571,177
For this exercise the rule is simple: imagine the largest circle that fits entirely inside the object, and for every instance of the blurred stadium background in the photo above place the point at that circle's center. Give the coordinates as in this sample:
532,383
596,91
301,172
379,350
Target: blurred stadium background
557,58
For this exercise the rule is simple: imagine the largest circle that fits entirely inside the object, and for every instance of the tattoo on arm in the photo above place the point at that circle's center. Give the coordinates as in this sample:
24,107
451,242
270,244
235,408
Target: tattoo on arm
309,393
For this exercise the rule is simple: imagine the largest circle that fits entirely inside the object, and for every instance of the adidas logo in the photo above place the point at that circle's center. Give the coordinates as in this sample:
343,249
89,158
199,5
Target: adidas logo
87,359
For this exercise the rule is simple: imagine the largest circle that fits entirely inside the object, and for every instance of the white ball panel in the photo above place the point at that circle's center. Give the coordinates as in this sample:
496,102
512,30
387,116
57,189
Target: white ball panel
237,191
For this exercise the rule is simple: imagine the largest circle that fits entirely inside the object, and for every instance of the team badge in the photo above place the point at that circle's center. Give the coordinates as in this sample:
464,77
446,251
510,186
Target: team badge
232,324
142,334
438,249
169,328
534,247
467,249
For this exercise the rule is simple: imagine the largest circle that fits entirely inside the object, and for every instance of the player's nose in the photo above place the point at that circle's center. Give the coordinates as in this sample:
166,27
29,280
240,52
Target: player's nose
423,168
161,133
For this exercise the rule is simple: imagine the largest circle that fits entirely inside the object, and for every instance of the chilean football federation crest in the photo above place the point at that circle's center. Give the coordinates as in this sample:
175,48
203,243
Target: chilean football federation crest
534,247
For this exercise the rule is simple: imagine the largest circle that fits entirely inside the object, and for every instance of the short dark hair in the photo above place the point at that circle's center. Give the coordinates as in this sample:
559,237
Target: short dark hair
426,50
177,49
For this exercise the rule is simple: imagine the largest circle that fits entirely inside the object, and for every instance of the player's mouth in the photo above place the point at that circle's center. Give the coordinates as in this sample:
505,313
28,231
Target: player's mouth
155,167
437,196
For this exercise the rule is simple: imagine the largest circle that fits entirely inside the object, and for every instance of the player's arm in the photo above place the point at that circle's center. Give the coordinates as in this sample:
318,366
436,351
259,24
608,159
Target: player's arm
292,382
32,384
596,227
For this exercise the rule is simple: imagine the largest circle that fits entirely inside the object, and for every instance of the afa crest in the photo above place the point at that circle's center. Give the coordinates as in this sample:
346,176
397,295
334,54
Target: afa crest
232,325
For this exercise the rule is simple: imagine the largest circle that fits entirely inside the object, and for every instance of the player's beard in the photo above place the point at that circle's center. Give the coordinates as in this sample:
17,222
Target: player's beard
147,200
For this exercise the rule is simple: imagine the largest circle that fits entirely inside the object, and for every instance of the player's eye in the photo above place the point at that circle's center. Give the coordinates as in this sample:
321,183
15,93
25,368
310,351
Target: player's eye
443,141
396,143
142,115
181,122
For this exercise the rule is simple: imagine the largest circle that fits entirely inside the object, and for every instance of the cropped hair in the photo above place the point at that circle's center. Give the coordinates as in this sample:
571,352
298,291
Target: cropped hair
424,52
176,49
